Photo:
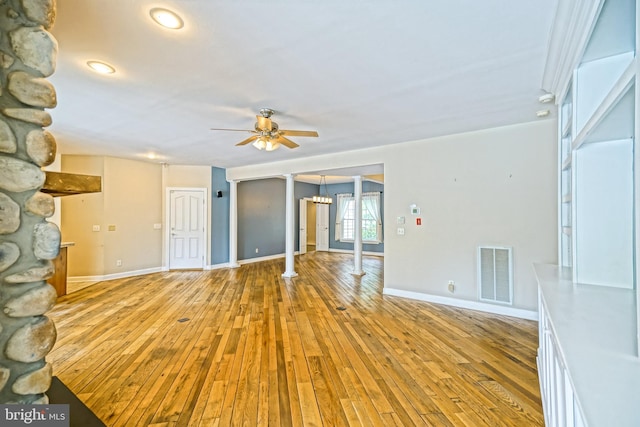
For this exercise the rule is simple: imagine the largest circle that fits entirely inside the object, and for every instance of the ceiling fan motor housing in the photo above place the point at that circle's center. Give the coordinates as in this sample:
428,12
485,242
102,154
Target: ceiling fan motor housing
274,129
266,112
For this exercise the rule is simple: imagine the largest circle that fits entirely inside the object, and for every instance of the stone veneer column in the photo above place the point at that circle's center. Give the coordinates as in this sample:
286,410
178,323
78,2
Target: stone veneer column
28,242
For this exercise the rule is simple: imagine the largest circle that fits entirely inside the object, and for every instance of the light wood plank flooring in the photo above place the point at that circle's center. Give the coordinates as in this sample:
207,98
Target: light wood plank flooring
246,347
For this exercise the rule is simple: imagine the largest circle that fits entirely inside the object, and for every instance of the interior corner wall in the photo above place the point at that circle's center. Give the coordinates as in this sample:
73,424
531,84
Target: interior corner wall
125,211
492,187
132,193
219,217
79,214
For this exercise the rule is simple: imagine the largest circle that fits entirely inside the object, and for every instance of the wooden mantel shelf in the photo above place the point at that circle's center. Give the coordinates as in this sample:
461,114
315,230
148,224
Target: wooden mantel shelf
67,184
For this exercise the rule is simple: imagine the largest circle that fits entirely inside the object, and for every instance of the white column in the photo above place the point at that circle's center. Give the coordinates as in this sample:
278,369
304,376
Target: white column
357,239
289,270
233,224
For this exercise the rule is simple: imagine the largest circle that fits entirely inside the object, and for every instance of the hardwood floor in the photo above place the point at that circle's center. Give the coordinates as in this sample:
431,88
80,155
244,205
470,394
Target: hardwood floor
246,347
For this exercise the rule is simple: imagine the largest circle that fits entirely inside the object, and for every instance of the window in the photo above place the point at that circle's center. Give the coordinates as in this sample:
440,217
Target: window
371,219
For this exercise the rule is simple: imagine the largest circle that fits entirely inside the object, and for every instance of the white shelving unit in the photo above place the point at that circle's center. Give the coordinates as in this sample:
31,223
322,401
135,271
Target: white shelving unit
596,140
588,378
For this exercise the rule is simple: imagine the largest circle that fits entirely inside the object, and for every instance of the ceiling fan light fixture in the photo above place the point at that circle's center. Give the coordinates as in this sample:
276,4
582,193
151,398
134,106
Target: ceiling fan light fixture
271,145
260,144
166,18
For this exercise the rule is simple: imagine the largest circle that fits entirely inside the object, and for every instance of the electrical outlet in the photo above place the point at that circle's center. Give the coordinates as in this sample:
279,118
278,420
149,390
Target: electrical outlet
451,286
96,228
119,263
257,250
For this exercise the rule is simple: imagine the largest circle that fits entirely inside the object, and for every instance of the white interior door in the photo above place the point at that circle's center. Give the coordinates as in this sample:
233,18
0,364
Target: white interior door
187,229
302,244
322,227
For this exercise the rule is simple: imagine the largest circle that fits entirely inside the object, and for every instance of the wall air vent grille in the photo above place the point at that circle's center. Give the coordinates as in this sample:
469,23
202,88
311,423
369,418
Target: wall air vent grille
495,274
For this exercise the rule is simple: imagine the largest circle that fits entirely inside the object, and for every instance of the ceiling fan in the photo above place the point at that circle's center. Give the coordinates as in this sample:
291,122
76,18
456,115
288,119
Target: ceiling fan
267,135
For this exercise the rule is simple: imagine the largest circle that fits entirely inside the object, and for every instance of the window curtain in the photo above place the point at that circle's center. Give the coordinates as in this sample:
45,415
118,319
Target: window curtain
341,212
371,203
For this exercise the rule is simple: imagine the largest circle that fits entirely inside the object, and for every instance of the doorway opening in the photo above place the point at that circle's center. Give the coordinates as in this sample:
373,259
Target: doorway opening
314,226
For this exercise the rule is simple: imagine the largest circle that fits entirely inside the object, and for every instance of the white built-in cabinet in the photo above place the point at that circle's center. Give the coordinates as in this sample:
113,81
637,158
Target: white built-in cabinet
596,138
588,362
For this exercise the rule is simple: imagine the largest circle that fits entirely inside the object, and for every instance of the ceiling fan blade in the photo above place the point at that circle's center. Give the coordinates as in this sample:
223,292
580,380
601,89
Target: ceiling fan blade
264,123
299,132
248,140
286,142
234,130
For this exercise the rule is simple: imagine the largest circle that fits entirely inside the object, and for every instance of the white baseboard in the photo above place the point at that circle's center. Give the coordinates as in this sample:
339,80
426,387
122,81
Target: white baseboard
460,303
262,258
218,266
122,275
350,251
277,256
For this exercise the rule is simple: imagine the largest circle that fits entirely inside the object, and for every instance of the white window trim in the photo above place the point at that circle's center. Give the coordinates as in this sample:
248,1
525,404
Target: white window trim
346,197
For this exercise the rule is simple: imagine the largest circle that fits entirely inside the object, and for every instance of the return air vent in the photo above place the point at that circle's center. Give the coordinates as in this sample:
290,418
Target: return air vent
495,274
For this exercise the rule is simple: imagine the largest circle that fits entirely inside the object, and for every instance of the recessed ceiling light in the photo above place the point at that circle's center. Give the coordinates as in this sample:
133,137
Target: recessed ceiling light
101,67
166,18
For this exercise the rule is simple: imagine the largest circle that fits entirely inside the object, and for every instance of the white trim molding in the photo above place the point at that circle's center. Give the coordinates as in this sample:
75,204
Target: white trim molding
263,258
350,251
113,276
572,25
467,304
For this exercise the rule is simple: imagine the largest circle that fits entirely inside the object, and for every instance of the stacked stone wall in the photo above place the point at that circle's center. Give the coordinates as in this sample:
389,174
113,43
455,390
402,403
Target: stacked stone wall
28,242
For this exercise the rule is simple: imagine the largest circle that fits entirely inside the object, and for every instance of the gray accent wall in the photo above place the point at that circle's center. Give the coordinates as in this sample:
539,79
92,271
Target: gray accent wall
219,217
334,189
261,218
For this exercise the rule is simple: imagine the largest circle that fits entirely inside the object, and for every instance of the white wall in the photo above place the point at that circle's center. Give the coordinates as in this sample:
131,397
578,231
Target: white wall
125,210
491,187
494,187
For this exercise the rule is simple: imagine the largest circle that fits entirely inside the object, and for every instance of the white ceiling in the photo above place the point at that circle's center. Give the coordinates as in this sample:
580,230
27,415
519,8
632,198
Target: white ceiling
362,74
